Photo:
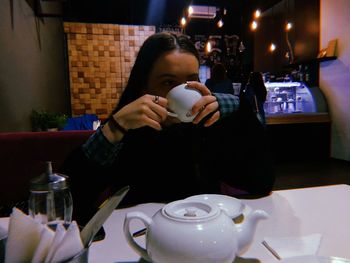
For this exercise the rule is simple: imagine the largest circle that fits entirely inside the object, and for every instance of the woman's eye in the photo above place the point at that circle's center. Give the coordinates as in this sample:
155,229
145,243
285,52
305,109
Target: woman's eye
169,83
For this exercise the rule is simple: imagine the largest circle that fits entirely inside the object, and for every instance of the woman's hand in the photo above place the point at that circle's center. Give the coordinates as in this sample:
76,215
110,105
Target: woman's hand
206,105
148,110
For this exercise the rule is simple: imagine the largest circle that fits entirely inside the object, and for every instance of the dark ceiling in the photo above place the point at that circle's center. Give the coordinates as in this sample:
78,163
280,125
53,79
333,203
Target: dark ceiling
159,12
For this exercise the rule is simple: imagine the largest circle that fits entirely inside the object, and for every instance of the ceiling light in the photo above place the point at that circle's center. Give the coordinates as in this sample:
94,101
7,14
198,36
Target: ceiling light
289,26
272,47
190,10
208,47
220,23
183,21
254,25
257,13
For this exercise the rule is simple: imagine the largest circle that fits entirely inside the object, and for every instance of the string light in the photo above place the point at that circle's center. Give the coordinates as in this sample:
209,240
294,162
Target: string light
220,23
289,26
208,47
190,10
183,21
254,25
257,14
272,47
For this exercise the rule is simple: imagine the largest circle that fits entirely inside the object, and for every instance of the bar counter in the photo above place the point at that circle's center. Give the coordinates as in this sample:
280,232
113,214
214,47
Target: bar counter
299,136
272,119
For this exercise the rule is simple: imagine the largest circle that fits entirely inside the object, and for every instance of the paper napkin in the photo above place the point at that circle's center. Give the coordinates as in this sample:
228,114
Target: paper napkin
3,232
23,237
284,247
70,245
44,245
31,241
59,235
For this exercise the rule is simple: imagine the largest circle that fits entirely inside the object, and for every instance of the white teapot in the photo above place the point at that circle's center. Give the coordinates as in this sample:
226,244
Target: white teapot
190,231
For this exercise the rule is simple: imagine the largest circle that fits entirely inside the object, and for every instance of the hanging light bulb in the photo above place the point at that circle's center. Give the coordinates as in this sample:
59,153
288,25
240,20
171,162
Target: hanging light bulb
257,13
220,23
272,47
254,25
208,47
241,47
183,21
289,26
190,10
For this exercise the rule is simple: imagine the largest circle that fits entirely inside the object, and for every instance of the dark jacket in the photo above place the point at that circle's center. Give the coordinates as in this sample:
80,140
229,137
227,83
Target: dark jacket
175,163
256,102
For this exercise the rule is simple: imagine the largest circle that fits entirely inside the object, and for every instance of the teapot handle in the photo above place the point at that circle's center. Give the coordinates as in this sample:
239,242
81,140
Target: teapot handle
147,221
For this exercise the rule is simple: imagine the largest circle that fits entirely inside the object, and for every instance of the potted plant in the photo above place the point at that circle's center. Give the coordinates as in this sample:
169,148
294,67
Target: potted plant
43,120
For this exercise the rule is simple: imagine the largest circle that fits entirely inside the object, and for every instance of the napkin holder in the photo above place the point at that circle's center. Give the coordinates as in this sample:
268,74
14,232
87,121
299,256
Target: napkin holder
2,248
82,257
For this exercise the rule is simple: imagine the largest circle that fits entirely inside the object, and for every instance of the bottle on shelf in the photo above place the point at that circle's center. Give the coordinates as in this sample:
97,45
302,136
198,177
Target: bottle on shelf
299,104
307,74
301,73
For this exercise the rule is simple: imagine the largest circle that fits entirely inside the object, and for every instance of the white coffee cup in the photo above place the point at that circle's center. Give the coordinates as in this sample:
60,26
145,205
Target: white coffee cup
181,100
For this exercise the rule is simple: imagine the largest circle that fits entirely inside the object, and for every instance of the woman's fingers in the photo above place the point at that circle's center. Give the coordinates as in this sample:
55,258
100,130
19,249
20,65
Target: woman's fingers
198,86
145,120
158,107
148,110
203,103
214,118
205,106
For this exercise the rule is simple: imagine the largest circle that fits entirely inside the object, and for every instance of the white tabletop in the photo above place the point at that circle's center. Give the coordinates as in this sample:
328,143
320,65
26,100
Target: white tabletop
300,212
296,212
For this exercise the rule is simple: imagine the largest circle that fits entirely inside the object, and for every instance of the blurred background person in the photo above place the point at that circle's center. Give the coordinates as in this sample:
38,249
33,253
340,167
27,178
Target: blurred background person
255,93
218,81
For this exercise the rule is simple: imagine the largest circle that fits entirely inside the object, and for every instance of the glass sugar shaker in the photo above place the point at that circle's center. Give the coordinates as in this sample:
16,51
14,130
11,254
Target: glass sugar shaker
50,200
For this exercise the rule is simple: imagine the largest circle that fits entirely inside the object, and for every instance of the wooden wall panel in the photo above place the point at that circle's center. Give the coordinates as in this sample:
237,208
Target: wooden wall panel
100,58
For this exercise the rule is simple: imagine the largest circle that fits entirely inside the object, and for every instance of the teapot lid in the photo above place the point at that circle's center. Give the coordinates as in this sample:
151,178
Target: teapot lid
232,206
184,210
49,181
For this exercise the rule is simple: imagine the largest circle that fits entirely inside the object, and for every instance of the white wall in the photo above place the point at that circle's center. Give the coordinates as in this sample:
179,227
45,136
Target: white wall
32,74
335,75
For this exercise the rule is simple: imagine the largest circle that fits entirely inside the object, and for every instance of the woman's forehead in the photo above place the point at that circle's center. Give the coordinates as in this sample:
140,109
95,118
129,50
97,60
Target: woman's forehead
176,62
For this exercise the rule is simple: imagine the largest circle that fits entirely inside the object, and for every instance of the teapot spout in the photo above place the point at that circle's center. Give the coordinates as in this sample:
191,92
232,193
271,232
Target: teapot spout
247,228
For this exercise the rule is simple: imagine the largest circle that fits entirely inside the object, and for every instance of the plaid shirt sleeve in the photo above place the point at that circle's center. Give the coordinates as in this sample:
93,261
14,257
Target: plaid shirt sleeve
228,103
98,149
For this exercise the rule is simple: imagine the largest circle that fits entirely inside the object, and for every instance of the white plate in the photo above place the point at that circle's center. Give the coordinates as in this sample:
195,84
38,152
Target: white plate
232,206
315,259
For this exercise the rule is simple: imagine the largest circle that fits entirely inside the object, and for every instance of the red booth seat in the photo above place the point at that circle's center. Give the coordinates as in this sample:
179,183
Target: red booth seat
23,156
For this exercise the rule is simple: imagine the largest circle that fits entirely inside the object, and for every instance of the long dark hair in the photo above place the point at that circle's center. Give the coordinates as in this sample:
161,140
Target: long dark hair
150,51
256,81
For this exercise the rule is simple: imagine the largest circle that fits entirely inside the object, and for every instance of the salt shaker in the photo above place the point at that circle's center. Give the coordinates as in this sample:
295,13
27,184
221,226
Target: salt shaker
50,200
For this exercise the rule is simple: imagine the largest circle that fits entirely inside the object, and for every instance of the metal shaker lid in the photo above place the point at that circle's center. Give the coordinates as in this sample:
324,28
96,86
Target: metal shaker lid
49,181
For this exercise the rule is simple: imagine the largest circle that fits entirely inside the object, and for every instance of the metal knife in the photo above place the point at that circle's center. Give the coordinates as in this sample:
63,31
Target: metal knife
96,222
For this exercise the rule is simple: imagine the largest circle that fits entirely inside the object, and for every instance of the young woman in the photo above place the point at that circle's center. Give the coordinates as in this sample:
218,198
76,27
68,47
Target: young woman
160,158
255,94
